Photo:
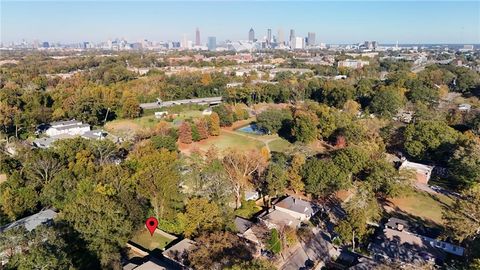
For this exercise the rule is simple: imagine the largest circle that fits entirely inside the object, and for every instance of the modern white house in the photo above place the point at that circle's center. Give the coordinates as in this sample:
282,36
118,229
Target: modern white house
422,172
70,127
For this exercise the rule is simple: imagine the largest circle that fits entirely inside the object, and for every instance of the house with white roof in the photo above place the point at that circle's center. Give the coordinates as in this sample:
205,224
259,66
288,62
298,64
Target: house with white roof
290,212
70,127
422,172
300,209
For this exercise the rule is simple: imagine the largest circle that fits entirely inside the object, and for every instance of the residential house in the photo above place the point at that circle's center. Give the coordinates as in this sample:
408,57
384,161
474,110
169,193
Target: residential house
399,241
300,209
253,232
422,172
178,252
95,135
31,222
290,211
70,127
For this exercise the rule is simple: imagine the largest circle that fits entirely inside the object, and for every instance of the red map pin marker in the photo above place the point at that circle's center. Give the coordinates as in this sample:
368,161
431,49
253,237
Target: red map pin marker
151,224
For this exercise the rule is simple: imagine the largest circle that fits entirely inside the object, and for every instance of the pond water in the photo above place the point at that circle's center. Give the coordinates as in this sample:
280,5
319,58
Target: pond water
252,129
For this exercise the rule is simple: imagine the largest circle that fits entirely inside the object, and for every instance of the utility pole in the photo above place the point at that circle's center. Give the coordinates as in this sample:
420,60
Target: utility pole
353,240
106,116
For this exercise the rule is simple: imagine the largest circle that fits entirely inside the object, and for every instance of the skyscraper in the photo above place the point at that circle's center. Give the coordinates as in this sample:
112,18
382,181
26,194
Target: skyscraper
212,43
269,36
251,35
292,37
197,37
280,39
311,39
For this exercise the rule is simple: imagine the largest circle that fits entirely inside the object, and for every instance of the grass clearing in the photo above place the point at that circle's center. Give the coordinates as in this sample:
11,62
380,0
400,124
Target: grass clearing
144,239
279,145
224,141
423,205
127,127
231,140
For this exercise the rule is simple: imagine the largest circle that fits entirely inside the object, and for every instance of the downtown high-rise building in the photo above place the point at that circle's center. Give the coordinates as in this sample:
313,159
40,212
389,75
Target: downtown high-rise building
311,39
280,38
251,35
212,43
197,37
292,36
269,36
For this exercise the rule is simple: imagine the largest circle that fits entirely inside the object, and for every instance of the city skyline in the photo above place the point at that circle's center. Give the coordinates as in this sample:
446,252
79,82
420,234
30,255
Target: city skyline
339,22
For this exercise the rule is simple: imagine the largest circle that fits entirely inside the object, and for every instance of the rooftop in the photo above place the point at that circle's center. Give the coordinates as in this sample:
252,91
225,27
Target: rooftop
397,224
65,123
177,251
280,218
31,222
242,224
416,166
296,205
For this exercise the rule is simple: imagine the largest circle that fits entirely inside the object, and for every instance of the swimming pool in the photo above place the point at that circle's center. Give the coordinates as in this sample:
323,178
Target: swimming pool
252,129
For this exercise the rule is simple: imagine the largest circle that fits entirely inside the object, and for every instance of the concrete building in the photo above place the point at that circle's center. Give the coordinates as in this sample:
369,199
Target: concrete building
71,127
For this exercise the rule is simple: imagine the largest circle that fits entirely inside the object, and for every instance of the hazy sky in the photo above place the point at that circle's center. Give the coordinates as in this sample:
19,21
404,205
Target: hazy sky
333,22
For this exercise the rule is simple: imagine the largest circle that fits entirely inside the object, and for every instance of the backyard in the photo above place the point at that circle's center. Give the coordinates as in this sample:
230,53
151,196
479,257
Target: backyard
158,241
227,139
423,205
127,127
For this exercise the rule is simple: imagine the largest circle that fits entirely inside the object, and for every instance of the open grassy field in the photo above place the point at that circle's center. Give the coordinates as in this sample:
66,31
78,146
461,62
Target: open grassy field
279,145
125,127
423,205
145,240
224,141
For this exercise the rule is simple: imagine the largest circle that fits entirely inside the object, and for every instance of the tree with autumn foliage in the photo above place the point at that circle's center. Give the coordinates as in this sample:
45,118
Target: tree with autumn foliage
185,133
130,105
202,128
240,167
294,178
214,124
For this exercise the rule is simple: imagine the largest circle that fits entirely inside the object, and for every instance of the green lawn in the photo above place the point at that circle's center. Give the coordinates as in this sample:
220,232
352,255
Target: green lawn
149,242
230,140
125,127
423,205
279,145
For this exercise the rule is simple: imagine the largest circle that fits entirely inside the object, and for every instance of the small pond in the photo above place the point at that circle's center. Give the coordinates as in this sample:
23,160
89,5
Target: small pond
252,129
